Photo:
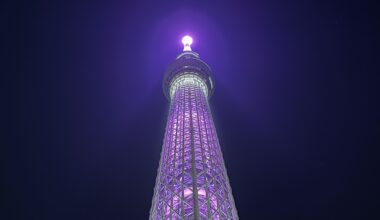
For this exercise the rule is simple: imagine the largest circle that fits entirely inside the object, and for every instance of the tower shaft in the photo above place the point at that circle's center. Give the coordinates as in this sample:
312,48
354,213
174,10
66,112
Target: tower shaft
192,182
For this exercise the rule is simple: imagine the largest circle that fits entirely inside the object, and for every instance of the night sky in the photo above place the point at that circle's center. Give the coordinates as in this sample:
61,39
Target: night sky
85,113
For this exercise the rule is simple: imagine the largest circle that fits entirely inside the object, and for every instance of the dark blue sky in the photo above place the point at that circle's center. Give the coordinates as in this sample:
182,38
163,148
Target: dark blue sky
85,113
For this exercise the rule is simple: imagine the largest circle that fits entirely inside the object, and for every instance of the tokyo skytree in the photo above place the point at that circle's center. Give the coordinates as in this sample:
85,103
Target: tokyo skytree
192,181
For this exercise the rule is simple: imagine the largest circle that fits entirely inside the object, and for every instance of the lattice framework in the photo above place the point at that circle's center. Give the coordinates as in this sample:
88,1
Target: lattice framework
192,182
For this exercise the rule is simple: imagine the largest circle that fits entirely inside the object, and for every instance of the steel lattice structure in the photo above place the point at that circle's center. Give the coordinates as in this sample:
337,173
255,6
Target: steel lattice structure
192,182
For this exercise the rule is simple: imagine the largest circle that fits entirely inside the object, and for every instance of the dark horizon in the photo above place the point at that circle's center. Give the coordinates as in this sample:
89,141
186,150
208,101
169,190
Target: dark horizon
85,113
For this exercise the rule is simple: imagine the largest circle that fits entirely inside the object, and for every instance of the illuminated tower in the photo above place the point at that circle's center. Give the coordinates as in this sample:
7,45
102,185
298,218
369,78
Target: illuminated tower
192,182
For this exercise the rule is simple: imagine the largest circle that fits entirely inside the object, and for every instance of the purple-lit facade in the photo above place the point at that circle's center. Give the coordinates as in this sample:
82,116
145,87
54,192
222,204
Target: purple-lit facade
192,182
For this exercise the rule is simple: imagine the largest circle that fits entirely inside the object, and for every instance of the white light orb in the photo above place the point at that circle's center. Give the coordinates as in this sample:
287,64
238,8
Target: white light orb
187,41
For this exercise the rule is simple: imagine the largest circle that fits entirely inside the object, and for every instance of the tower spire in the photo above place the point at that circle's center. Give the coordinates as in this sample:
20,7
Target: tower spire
192,181
187,41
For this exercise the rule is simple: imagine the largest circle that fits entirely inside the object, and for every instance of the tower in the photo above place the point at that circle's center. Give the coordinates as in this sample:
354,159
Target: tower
192,182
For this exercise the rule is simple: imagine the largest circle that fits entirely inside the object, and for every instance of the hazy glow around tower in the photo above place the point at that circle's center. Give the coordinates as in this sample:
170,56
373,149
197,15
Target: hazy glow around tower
187,41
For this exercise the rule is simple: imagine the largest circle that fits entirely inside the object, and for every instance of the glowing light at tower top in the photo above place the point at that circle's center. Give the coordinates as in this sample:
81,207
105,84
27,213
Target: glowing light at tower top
187,41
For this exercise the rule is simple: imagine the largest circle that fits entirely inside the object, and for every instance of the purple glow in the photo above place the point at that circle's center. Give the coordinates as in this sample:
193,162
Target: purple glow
191,158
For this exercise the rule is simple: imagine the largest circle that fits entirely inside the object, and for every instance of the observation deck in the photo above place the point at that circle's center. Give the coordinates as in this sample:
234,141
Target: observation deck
188,63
